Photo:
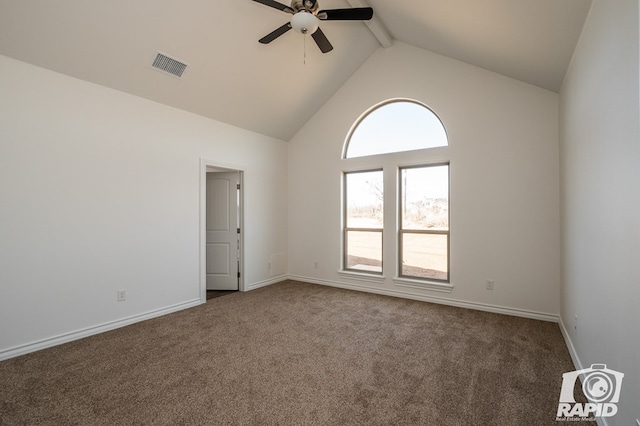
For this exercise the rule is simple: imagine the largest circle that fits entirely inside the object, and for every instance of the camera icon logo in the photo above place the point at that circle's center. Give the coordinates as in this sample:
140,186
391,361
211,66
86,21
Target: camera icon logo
600,385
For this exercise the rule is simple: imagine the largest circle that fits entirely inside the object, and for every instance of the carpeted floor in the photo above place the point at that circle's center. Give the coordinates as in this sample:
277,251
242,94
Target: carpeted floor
297,354
212,294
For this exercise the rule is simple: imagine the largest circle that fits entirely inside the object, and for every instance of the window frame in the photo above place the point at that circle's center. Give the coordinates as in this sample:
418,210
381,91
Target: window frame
401,231
390,163
346,229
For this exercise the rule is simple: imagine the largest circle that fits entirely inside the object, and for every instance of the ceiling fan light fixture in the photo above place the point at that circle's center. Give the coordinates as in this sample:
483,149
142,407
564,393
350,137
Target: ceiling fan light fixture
304,22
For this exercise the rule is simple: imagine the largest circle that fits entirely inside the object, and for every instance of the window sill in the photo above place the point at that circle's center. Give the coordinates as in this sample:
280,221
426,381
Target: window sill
423,285
362,276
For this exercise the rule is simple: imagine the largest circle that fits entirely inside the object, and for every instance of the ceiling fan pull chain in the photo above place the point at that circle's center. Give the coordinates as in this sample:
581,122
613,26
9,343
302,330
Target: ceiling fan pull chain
304,50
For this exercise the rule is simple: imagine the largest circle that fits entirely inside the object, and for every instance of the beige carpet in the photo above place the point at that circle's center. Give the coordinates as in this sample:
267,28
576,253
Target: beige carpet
297,354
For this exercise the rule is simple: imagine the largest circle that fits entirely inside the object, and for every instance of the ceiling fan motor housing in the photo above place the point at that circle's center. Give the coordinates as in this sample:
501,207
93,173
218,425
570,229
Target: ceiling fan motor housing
308,5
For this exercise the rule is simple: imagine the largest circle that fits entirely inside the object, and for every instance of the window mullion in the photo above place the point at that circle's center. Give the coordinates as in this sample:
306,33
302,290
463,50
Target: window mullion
364,229
426,231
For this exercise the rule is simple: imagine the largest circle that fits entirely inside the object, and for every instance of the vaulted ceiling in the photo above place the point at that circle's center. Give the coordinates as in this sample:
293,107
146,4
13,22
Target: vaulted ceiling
274,89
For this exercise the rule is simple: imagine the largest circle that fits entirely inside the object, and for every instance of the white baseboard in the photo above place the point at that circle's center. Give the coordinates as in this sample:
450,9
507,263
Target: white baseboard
602,421
572,350
90,331
265,283
433,299
112,325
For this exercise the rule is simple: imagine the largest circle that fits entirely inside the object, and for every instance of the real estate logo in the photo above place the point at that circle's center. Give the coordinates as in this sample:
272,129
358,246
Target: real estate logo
600,385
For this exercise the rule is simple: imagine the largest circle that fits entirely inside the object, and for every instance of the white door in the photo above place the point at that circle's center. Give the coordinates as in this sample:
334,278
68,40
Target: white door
222,231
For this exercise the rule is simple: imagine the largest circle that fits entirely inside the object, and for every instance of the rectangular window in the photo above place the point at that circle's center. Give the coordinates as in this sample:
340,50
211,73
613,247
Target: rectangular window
363,221
424,222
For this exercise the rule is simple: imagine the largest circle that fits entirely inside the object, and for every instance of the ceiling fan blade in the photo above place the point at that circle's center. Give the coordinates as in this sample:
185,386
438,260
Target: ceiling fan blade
276,5
354,14
322,41
275,33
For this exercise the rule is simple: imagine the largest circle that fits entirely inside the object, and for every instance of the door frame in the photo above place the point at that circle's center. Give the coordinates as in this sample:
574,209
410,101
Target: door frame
202,249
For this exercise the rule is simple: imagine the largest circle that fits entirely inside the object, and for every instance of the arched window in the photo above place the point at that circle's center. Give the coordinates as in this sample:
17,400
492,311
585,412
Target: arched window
422,189
395,126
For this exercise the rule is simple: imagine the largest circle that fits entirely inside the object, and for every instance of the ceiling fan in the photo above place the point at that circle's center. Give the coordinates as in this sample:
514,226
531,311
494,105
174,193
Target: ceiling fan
307,16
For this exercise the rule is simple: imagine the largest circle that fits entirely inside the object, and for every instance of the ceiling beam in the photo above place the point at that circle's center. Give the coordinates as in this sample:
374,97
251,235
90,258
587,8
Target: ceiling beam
375,26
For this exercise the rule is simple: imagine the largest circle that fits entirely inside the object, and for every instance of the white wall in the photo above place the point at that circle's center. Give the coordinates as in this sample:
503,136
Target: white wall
504,180
99,191
600,163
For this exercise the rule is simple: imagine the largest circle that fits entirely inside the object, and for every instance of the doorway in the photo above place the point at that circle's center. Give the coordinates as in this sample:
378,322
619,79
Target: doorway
221,219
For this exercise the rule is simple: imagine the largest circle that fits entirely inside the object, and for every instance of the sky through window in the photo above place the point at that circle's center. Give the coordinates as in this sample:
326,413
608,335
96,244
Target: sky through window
394,127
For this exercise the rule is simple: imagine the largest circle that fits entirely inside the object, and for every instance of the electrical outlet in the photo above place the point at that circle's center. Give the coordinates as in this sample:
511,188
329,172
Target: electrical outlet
315,264
269,266
490,284
122,295
575,322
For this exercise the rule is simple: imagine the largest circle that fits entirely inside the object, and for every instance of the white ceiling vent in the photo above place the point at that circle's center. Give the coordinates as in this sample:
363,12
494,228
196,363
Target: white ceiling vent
168,65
